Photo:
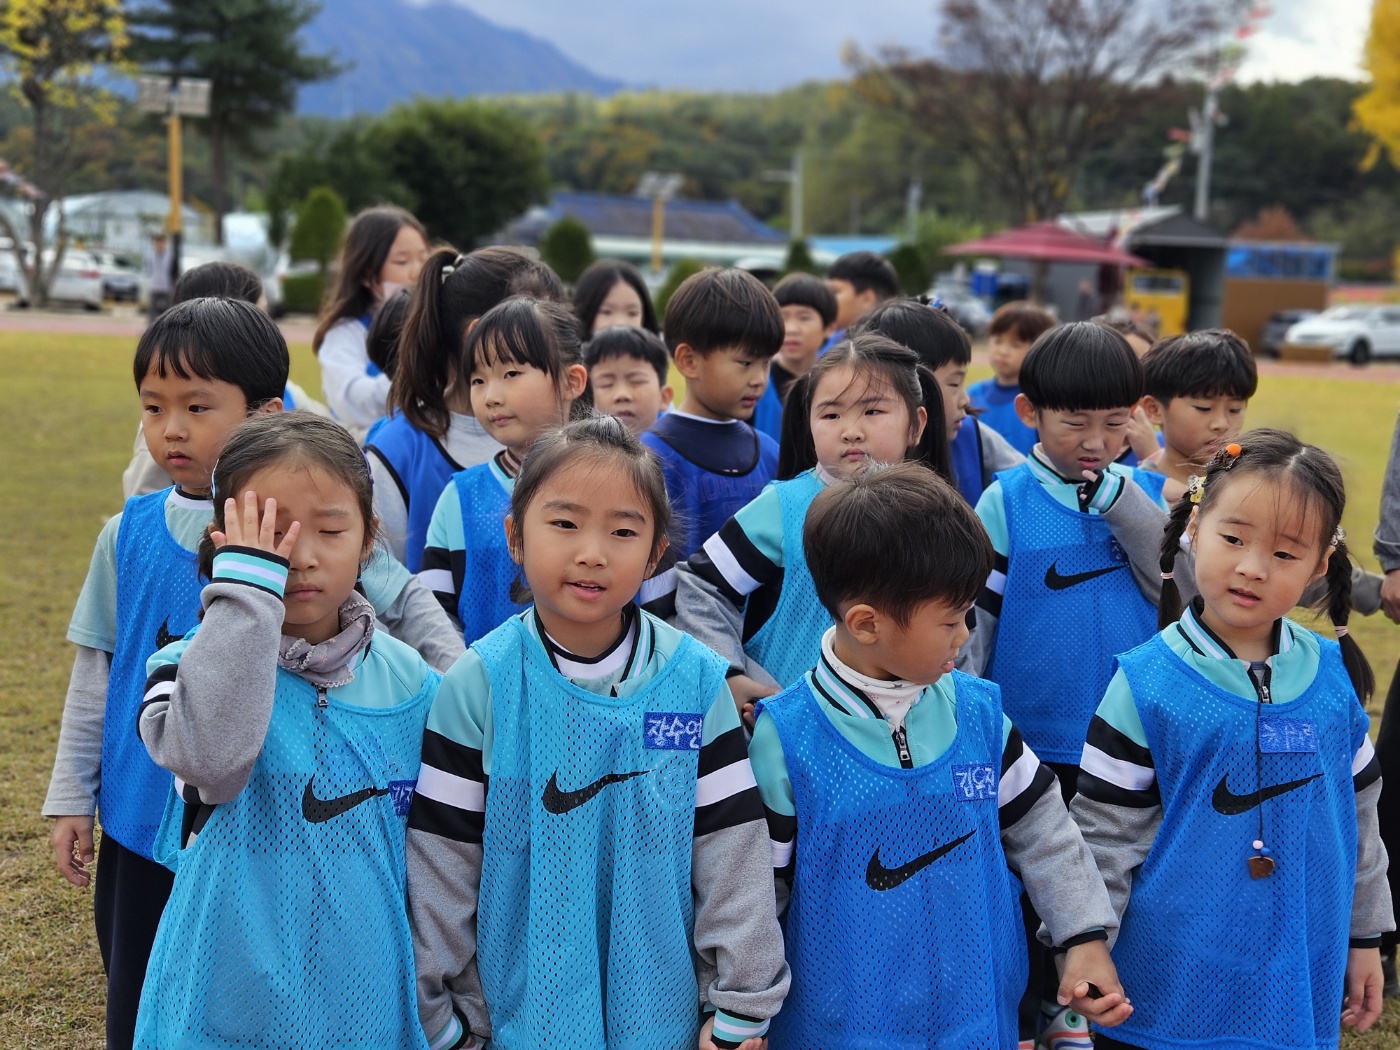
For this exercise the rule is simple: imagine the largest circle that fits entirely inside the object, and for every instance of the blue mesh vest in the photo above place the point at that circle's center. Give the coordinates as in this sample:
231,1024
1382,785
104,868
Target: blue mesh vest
1070,604
965,451
157,602
904,929
1001,416
1211,957
422,469
789,642
768,413
287,924
584,929
484,603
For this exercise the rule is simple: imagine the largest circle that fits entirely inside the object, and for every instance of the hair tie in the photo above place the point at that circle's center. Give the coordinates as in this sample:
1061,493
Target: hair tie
1339,536
1195,487
1168,576
1341,630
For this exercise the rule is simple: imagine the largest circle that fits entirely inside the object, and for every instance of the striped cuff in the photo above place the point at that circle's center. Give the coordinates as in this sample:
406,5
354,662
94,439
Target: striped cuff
732,1029
1105,493
454,1036
1364,942
1096,934
251,567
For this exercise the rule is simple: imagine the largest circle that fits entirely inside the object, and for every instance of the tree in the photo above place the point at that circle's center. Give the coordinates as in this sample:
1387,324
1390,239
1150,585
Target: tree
250,51
51,47
567,247
675,277
799,259
1378,110
465,167
319,227
913,269
1026,89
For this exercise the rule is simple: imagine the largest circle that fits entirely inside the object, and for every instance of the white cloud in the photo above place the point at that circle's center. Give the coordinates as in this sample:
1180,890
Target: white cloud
1305,38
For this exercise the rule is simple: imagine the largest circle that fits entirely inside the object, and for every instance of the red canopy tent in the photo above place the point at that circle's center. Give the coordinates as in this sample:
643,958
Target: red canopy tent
1044,243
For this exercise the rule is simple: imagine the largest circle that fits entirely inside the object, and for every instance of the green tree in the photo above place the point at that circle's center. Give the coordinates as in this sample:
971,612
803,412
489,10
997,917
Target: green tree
249,49
567,246
799,259
909,262
331,155
675,277
319,227
465,168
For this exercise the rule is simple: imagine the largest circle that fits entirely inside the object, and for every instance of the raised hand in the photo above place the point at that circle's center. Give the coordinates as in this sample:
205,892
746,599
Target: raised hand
247,531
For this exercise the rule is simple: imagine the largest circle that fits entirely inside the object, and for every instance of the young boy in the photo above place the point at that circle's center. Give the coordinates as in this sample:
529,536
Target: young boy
722,328
900,798
1195,388
860,281
809,316
1014,328
627,369
200,369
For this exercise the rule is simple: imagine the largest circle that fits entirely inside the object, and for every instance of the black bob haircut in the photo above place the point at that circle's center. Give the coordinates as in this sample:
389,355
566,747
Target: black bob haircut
628,341
1081,367
382,339
718,309
526,331
222,339
864,271
802,289
597,281
227,280
895,537
930,333
1213,362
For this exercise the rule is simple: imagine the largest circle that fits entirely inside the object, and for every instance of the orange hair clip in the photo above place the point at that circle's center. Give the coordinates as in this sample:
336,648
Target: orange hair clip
1232,450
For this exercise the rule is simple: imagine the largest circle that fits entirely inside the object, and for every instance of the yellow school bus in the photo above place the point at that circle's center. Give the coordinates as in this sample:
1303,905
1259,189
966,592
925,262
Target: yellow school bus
1160,296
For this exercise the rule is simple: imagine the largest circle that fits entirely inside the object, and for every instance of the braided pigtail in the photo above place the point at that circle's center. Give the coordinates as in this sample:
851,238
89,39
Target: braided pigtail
1169,607
1338,599
932,449
796,452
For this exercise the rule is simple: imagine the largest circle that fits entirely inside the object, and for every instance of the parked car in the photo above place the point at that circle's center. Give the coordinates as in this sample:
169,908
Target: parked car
78,281
964,307
1354,333
1271,336
121,278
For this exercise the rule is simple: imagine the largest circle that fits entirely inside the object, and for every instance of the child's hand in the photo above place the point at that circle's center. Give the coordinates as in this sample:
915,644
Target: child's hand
248,533
1087,968
745,691
72,849
1362,1004
1142,436
707,1041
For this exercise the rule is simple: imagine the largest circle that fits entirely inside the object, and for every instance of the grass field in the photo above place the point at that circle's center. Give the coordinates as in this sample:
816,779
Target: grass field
70,415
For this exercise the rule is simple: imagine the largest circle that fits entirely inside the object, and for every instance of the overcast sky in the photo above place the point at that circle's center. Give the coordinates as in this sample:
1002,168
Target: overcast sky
766,44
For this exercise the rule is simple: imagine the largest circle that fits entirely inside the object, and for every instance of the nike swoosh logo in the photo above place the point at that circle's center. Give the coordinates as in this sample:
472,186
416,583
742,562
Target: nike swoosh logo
556,801
163,635
1056,582
1228,804
879,877
319,810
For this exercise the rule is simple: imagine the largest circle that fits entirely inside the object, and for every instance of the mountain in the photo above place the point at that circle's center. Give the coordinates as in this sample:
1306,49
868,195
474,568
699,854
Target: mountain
440,48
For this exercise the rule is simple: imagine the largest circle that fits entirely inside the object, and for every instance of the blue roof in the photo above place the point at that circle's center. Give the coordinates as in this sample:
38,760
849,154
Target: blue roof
722,222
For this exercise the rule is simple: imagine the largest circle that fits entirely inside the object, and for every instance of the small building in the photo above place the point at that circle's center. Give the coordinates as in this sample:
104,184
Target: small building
122,220
1265,277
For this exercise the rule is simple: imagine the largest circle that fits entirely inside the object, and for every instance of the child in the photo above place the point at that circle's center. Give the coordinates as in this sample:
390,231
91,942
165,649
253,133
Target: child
859,281
384,251
627,371
747,593
901,799
1228,787
382,337
293,729
1195,388
522,361
977,452
1014,328
612,292
722,328
587,857
431,432
809,314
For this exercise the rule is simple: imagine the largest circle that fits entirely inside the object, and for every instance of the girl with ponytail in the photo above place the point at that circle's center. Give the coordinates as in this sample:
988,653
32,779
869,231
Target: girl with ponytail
1228,772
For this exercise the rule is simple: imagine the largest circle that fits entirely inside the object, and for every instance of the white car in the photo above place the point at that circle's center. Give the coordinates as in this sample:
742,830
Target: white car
1356,333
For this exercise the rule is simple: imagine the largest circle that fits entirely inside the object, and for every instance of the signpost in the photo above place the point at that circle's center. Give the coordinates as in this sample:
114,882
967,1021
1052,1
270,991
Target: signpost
660,187
176,98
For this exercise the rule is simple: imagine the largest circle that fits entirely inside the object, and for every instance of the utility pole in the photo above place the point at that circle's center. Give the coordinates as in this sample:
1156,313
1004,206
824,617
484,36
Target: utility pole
176,98
793,177
660,187
1203,144
913,198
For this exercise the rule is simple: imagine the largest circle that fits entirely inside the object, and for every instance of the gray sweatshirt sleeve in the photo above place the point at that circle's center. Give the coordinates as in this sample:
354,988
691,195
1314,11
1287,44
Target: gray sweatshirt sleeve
1119,837
444,880
703,613
1387,541
1057,869
976,652
997,453
416,618
389,506
207,725
1371,910
77,765
739,945
1137,523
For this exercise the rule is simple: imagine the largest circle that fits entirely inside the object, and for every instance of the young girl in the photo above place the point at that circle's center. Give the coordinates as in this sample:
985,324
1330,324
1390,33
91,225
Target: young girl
746,592
384,251
523,360
612,292
1228,787
293,729
588,858
431,433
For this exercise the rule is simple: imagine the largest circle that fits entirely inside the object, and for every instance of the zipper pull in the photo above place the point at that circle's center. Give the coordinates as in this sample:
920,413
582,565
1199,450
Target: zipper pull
901,743
320,696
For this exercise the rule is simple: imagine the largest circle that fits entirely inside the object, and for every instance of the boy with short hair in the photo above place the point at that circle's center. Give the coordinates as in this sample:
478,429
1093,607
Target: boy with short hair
860,281
628,370
722,329
809,316
1196,387
1014,328
901,798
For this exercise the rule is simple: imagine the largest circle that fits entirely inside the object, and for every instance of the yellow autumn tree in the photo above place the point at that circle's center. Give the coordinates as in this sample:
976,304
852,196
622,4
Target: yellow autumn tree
1377,112
50,50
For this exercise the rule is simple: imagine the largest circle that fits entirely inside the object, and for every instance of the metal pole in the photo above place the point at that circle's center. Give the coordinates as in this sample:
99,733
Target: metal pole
795,221
174,219
658,226
1207,148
